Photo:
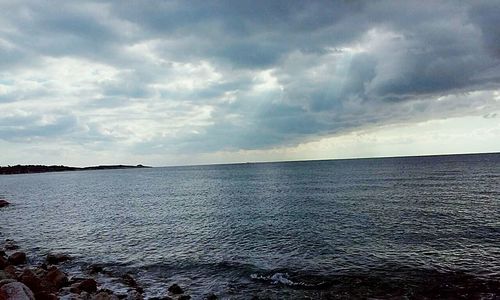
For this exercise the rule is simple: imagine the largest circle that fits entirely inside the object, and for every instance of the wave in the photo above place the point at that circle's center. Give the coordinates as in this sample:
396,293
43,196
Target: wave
284,279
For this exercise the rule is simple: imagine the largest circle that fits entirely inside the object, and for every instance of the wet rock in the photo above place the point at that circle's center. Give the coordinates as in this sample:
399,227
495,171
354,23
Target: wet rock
4,203
175,289
3,263
161,298
134,295
40,272
6,281
94,269
73,296
10,245
129,280
56,278
32,281
3,254
17,258
10,271
104,296
87,285
45,295
56,258
74,288
3,275
211,297
17,291
184,297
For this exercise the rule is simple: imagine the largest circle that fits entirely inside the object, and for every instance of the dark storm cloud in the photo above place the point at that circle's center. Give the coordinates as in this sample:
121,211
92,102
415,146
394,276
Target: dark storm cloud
336,65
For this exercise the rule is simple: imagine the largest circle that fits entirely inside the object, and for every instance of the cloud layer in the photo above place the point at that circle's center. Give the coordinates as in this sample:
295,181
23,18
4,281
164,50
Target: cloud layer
170,77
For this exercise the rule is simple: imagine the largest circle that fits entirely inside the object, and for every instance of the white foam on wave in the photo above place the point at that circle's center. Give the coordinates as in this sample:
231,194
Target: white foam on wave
283,278
276,278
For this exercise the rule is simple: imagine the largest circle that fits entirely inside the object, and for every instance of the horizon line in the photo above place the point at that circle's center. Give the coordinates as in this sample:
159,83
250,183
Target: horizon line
325,159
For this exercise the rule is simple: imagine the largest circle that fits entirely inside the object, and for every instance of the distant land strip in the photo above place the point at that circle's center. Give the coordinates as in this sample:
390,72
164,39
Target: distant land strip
26,169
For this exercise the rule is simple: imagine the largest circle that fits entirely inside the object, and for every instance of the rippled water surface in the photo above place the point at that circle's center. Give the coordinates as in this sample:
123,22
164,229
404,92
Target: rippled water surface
319,229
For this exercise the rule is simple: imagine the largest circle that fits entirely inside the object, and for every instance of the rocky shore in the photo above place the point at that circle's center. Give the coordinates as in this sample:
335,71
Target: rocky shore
21,280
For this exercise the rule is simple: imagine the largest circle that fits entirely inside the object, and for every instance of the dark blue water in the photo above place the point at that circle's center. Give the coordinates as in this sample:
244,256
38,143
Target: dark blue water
318,229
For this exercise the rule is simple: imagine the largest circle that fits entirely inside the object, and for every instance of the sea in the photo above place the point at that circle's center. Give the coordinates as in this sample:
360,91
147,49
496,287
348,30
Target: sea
383,228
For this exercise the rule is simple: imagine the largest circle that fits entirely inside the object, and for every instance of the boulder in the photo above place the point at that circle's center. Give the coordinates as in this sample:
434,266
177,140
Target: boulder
31,280
56,278
175,289
212,297
39,271
72,296
17,291
3,275
129,280
56,258
184,297
94,269
17,258
4,203
6,281
134,295
104,296
87,285
45,295
10,245
10,271
3,263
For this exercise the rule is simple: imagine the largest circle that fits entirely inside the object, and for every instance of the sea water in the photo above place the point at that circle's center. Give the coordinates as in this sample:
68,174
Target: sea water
388,227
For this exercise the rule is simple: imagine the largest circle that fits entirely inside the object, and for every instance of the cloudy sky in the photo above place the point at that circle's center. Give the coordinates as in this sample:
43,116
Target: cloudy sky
188,82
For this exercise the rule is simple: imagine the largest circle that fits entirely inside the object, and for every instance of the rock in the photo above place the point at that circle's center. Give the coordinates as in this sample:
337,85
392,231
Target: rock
175,289
3,254
44,295
10,245
55,259
184,297
32,281
56,278
4,203
88,285
40,272
94,269
211,297
3,263
3,275
16,291
129,280
74,288
72,296
10,271
104,296
161,298
17,258
85,295
134,295
6,281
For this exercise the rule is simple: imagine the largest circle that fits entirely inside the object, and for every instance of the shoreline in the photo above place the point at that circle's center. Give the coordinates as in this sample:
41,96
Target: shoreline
56,275
21,278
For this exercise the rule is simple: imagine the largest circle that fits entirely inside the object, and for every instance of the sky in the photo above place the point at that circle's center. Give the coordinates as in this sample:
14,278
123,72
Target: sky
198,82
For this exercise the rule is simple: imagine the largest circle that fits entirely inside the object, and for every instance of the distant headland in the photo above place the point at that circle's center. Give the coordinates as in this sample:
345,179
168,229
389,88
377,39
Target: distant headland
25,169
